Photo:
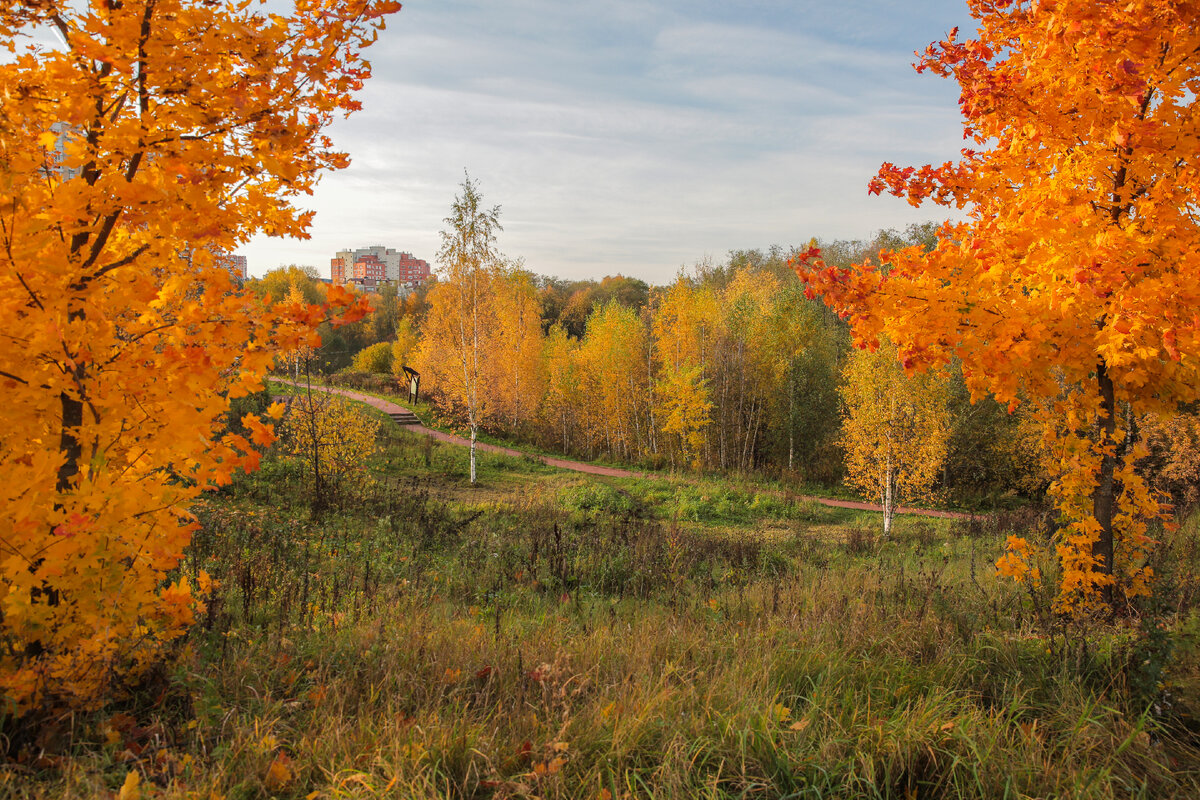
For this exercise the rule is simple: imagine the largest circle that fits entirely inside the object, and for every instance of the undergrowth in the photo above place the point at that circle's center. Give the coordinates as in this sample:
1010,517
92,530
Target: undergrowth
597,639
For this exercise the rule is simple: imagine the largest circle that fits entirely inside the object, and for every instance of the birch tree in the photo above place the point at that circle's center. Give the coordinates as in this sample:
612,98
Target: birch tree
453,346
896,429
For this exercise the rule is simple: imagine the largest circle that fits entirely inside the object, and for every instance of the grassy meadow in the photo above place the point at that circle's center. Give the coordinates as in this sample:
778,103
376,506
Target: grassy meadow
555,635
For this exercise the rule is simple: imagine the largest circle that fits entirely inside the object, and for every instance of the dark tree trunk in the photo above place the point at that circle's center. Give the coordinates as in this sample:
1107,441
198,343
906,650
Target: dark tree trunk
1104,495
68,441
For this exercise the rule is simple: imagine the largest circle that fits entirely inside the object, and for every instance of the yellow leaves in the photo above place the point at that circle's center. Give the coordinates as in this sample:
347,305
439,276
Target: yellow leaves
684,407
333,435
896,431
131,788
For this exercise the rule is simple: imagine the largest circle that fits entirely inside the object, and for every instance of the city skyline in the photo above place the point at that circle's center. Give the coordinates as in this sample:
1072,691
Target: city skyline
638,138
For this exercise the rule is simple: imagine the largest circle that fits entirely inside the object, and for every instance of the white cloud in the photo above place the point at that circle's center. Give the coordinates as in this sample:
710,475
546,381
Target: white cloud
632,138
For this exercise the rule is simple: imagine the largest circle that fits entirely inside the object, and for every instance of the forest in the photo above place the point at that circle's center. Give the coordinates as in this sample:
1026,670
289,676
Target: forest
730,369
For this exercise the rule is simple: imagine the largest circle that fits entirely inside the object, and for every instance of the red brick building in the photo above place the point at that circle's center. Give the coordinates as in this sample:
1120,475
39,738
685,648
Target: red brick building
380,264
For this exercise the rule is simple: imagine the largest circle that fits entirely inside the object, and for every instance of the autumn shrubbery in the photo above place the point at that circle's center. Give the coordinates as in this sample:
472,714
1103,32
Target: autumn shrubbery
332,436
363,381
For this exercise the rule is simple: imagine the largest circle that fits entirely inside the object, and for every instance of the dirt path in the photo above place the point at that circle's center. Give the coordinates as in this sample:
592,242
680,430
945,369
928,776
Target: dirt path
388,407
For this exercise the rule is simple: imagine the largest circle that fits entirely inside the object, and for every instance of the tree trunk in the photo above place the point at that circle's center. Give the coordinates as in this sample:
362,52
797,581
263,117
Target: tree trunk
68,441
791,419
889,498
474,434
1104,495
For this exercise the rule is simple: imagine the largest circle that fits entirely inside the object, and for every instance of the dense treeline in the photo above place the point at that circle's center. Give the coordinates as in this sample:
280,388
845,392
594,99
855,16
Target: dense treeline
729,367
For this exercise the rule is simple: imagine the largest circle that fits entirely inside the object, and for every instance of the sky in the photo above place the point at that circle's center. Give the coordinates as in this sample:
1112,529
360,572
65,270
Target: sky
635,137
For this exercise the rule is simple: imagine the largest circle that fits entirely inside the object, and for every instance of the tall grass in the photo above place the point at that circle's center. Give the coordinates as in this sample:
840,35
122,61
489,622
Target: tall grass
588,643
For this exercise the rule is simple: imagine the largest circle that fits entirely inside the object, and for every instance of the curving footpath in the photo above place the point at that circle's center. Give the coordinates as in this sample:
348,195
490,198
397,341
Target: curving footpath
388,407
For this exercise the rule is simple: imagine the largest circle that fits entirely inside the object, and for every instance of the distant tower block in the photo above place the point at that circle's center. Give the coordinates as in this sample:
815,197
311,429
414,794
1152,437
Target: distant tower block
369,266
234,263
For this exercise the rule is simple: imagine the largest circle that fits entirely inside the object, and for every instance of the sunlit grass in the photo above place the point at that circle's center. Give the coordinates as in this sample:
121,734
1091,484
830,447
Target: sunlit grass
556,635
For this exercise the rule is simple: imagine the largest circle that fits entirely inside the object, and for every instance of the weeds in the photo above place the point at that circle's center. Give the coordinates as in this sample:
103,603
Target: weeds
596,641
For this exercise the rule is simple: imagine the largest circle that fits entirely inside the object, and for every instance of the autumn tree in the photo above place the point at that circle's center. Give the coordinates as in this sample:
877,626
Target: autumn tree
560,377
278,283
1075,278
684,321
614,387
157,134
807,356
332,436
404,347
514,346
453,350
896,427
749,356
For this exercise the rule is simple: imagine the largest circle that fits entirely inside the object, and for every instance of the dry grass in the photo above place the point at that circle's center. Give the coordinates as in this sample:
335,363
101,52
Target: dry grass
576,642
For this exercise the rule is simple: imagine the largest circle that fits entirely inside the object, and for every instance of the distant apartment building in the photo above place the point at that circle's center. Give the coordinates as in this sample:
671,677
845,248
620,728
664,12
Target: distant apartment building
55,158
367,267
234,263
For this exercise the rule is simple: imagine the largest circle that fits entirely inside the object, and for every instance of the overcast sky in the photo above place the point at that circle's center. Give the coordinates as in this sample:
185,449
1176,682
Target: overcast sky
635,136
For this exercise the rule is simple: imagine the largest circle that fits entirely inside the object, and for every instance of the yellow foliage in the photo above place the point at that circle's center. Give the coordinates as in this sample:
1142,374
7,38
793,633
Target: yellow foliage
896,431
684,407
685,325
405,345
614,381
332,435
131,788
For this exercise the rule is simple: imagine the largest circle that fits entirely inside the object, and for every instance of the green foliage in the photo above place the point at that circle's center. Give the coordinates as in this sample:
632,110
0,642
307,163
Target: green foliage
590,500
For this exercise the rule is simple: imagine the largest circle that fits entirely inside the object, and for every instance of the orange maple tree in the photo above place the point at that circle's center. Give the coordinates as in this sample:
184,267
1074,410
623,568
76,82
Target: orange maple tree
1075,279
156,135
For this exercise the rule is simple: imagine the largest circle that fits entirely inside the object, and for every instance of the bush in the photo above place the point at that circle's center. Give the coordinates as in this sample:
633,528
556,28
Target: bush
376,359
589,501
333,436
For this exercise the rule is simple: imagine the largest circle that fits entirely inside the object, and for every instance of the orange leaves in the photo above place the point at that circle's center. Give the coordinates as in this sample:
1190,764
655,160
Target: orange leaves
1016,561
261,434
345,305
132,342
1169,344
280,772
1080,253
